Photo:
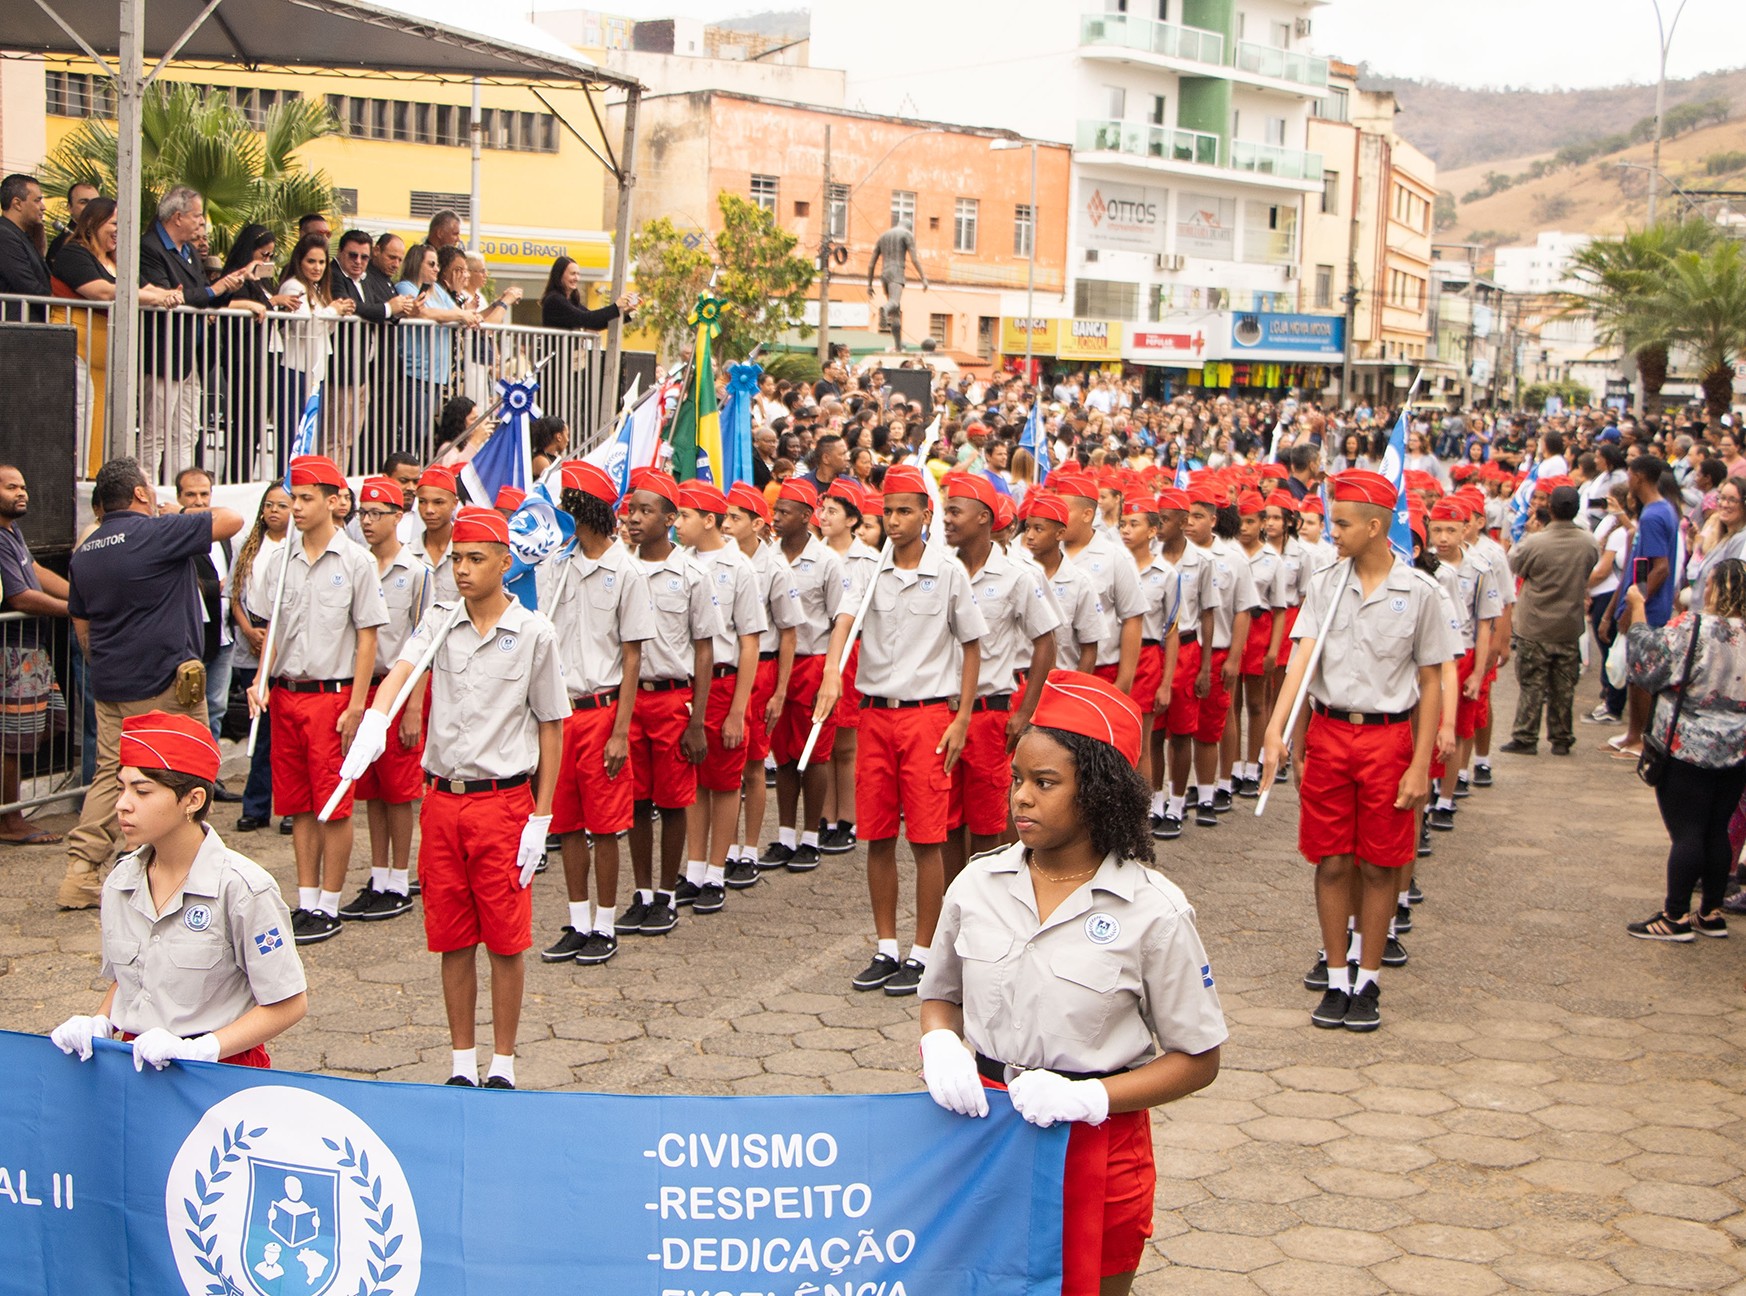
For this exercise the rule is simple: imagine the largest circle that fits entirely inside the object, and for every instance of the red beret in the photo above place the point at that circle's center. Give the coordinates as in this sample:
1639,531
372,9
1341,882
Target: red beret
655,482
1277,471
1050,508
1004,512
1206,493
968,486
160,741
590,479
1416,522
381,490
439,479
1312,504
1462,471
1171,498
702,497
1449,510
904,479
800,491
509,497
316,470
1069,481
1087,705
476,525
1138,505
847,491
1361,487
744,495
1282,501
1250,503
873,499
1474,497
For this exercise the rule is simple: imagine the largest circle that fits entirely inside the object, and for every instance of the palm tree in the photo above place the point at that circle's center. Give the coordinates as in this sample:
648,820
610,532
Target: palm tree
200,138
1702,310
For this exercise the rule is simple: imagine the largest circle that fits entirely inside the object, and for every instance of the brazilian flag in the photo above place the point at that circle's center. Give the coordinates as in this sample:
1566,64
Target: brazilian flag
696,432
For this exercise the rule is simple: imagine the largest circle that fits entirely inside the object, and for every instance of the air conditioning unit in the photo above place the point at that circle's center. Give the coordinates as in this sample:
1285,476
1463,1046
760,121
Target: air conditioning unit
1168,261
1090,256
1290,272
1303,27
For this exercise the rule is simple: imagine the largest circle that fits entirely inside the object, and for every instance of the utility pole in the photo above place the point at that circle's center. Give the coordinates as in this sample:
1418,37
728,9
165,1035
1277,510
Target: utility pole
1665,32
1031,271
473,200
825,248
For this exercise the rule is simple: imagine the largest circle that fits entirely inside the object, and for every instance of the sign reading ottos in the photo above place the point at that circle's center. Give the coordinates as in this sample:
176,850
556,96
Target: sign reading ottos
1123,218
221,1181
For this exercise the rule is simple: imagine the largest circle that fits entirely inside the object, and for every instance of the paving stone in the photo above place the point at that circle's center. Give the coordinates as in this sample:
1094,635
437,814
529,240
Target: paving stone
1320,1106
1346,1182
1335,1246
1292,1129
1674,1234
1378,1154
1245,1218
1576,1177
1679,1270
1255,1185
1421,1276
1478,1149
1307,1278
713,1066
1558,1274
1319,1079
1450,1242
1682,1201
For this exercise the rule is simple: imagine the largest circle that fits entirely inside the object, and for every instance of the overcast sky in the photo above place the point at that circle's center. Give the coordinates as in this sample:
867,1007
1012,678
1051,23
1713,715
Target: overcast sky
1538,43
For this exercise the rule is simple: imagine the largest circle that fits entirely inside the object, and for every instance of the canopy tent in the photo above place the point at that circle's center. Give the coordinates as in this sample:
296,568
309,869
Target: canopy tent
439,38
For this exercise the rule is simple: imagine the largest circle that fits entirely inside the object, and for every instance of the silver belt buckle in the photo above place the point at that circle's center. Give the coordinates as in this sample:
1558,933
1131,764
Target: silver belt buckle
1355,717
457,787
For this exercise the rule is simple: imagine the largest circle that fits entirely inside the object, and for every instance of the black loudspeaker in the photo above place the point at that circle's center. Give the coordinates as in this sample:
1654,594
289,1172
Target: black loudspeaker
917,386
638,365
38,428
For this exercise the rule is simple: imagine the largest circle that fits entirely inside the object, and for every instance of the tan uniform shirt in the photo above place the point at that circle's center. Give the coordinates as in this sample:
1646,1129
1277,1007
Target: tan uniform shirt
221,945
1198,590
597,606
1267,570
488,694
824,585
443,588
734,581
1115,977
1017,608
912,642
1499,558
1160,589
685,611
1079,610
1480,597
404,585
323,608
1233,589
1117,583
1295,562
1376,645
781,597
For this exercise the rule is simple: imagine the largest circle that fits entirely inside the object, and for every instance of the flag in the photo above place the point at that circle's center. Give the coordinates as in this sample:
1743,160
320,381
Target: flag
308,426
1519,502
736,424
1181,482
1036,440
936,535
1400,530
696,434
538,532
636,444
506,458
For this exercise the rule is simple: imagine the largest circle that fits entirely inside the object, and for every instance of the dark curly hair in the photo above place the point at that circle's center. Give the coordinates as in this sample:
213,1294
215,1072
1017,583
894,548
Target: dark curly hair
589,511
1227,521
1112,798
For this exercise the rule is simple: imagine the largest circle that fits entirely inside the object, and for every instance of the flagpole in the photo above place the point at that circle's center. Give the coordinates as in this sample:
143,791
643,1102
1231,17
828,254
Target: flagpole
1268,769
849,644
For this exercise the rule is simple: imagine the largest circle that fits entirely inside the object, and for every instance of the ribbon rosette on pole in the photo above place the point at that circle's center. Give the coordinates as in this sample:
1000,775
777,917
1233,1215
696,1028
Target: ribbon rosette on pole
696,434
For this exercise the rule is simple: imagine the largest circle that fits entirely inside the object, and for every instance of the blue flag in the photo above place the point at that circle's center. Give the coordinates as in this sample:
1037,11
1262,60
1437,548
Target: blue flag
1519,504
506,459
1400,530
538,532
1181,482
1036,441
736,424
303,441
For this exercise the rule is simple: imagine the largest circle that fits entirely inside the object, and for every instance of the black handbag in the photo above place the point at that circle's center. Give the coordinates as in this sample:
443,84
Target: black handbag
1652,764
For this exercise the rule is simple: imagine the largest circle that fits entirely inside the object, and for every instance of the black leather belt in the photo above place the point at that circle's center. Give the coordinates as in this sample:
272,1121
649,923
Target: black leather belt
1187,636
312,686
469,787
723,669
1151,643
901,704
989,1069
1362,717
662,686
594,701
768,656
993,702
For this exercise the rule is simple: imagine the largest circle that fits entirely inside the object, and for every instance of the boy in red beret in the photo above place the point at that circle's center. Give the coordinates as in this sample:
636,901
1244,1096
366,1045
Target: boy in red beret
438,497
1076,602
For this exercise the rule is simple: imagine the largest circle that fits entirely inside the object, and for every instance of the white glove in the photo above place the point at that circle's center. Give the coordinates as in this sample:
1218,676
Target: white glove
161,1048
533,846
949,1068
76,1033
370,742
1043,1097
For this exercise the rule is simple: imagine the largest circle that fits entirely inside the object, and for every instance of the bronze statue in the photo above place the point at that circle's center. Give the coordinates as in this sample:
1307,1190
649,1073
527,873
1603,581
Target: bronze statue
895,247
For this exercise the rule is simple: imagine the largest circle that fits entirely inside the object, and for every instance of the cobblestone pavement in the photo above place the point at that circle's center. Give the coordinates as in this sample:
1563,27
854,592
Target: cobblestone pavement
1549,1106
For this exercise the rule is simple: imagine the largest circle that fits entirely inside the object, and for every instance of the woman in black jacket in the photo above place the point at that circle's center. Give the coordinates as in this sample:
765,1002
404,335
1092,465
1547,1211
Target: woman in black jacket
561,303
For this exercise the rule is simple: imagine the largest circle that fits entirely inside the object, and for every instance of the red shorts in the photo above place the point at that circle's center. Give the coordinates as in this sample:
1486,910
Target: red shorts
982,778
1483,714
1351,776
721,769
1290,615
397,777
1466,711
848,712
1183,716
1148,678
659,770
1256,645
585,800
1215,707
254,1057
307,751
898,773
466,864
788,738
757,732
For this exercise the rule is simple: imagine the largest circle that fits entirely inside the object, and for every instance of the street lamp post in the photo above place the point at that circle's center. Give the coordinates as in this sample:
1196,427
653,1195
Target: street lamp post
1001,145
1665,32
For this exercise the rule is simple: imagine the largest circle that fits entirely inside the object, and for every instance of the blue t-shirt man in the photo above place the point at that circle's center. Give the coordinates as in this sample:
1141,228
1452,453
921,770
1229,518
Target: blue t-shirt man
1658,537
133,580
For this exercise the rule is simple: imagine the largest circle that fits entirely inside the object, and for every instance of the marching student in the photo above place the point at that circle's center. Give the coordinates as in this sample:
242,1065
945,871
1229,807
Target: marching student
1494,553
1178,721
195,937
747,515
1021,621
1478,605
839,520
396,780
920,653
1280,523
667,741
1362,758
1068,972
740,599
438,497
1260,653
599,601
1101,557
872,528
827,594
1212,527
1076,603
1311,534
314,685
497,709
1159,644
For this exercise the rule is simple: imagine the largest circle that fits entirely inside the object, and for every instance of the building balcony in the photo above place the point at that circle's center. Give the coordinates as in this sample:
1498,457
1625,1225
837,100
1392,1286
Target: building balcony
1142,140
1271,160
1282,65
1147,36
1195,154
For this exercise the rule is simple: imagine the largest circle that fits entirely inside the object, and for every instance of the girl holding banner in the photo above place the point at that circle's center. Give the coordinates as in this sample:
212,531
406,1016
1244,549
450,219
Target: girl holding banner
1116,1017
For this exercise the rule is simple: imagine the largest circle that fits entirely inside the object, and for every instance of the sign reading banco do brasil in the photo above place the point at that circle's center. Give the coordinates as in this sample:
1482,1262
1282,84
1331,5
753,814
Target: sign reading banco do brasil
222,1181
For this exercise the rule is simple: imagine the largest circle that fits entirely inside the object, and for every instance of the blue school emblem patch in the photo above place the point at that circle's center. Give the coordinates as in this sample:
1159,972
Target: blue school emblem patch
293,1228
197,918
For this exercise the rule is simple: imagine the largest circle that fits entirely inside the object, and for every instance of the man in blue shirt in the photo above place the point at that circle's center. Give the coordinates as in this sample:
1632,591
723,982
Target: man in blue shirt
135,603
1650,562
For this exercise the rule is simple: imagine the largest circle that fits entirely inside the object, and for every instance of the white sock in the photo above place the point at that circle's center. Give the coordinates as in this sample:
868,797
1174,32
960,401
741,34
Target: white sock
1206,800
645,897
400,881
1403,897
502,1066
787,838
1158,802
604,917
464,1062
888,948
1445,803
308,897
328,903
769,762
1481,762
1391,932
695,871
919,953
1355,947
1251,770
582,915
1337,979
1366,977
809,838
739,850
1177,804
715,875
1224,785
378,878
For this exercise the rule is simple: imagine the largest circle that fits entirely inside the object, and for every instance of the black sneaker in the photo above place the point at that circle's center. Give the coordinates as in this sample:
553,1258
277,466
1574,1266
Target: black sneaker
1205,815
389,904
1658,927
661,917
1282,773
413,888
497,1082
1330,1013
769,777
1424,847
565,951
1167,826
846,836
685,892
285,826
1394,953
1482,776
907,979
1247,787
1710,924
1317,977
1561,749
775,855
1221,801
461,1082
597,947
711,896
1414,895
1462,787
1403,918
630,922
742,873
1514,748
318,926
1440,819
1362,1014
804,860
877,973
360,905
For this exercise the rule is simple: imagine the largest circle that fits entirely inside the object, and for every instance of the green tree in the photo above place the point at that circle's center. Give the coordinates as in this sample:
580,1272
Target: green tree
1444,209
755,271
1701,308
199,138
1568,390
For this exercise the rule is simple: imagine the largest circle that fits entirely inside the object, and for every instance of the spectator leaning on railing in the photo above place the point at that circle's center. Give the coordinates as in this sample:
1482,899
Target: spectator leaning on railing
22,268
33,707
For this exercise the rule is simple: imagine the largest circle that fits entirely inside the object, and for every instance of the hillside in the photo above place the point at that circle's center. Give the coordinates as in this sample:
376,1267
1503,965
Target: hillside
1458,127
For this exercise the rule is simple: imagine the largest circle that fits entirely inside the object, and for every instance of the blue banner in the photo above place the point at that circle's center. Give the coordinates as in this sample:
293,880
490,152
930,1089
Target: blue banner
224,1181
1265,336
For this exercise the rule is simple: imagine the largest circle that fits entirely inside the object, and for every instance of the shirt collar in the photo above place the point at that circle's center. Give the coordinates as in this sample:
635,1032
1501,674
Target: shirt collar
1111,875
335,544
185,252
202,880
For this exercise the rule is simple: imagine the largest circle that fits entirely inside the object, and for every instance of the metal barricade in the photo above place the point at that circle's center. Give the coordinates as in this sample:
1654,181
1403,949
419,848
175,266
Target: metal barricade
44,701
